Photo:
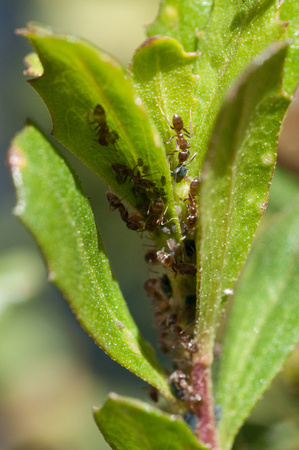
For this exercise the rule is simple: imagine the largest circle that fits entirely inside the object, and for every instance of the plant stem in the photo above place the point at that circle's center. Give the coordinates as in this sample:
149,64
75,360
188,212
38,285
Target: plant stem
202,384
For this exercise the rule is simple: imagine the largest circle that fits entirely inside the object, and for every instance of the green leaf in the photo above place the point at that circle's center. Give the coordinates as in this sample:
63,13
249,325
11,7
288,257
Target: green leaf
129,424
290,14
161,73
52,205
237,32
77,77
22,277
181,20
283,190
235,183
264,324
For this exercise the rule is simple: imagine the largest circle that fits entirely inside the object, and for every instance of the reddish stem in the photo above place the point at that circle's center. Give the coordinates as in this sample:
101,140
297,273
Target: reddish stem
206,429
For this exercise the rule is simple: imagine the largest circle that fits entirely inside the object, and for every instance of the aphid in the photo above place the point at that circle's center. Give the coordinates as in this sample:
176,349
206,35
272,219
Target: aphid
141,181
157,193
179,173
140,163
191,420
217,413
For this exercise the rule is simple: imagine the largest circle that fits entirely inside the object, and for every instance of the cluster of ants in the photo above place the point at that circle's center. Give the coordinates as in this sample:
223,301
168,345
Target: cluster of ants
171,316
174,339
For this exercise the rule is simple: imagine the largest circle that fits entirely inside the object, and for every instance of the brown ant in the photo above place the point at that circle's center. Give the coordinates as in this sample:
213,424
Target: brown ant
157,215
115,203
192,217
121,171
104,135
193,192
134,221
178,126
194,187
181,144
151,257
168,260
124,172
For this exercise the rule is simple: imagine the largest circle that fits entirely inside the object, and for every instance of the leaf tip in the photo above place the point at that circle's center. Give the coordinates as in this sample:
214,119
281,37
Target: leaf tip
33,65
34,28
113,396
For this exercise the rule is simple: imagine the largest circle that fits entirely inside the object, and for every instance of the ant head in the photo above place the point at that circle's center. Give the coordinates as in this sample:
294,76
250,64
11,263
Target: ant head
177,122
99,114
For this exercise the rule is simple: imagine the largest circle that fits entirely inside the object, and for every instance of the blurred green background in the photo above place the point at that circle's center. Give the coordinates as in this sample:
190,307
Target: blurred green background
51,373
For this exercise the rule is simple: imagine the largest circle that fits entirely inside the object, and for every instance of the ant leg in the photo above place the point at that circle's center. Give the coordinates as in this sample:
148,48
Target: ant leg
190,125
191,159
163,113
172,137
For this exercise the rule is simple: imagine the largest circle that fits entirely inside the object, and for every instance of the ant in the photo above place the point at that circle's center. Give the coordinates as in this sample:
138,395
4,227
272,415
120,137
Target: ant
194,187
115,203
104,135
139,179
134,221
193,192
181,144
124,172
121,171
178,126
168,260
157,216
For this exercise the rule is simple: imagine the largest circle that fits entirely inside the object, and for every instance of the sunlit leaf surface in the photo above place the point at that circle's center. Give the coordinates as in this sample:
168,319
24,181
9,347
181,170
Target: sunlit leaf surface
236,181
131,424
52,205
264,324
